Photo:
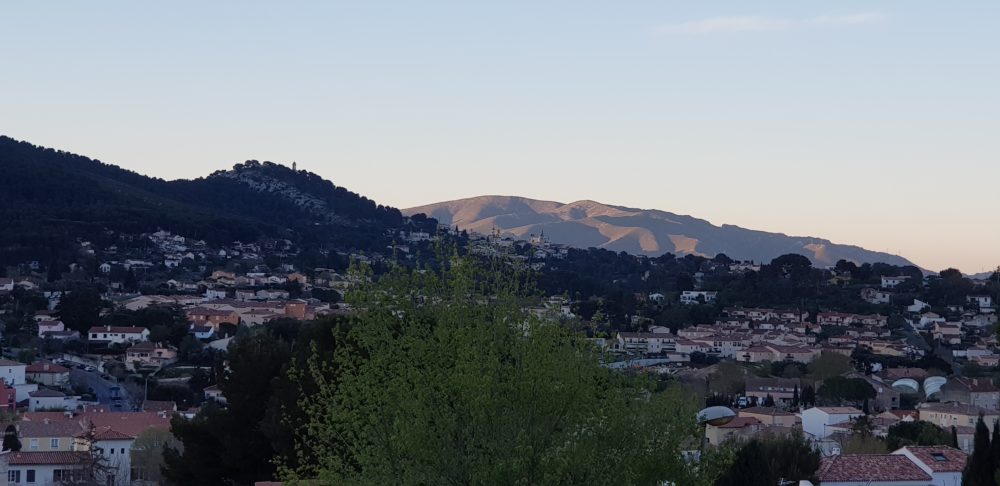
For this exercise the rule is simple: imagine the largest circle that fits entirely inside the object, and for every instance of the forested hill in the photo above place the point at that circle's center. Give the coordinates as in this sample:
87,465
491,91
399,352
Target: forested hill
49,198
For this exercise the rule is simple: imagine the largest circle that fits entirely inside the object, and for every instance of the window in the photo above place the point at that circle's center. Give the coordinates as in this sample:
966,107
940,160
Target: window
34,442
123,450
112,450
14,476
29,475
54,443
939,457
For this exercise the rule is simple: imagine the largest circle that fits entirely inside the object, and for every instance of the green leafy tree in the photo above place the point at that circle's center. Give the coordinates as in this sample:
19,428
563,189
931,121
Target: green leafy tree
764,462
918,433
828,365
80,309
448,381
839,389
226,445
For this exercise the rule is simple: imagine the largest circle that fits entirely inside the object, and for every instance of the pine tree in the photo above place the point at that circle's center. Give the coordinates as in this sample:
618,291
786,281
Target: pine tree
954,437
979,469
795,396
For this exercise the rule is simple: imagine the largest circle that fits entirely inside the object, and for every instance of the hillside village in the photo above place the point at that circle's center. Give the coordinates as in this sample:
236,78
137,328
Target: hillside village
102,371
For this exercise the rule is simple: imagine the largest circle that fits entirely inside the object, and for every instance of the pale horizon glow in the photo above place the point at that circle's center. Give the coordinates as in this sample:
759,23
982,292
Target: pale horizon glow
868,123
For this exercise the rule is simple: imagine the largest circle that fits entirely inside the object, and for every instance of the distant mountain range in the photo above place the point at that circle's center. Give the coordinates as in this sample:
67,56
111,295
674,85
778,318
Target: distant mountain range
50,198
586,224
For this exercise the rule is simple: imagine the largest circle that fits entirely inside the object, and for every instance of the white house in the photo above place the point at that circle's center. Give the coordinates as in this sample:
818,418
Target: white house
6,284
43,468
943,464
118,334
876,296
116,450
48,326
817,420
929,318
13,374
51,400
985,302
215,393
694,296
201,332
917,307
646,342
892,282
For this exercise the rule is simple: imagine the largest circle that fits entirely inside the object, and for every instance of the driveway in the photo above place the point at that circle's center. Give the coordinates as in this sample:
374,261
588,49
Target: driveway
103,389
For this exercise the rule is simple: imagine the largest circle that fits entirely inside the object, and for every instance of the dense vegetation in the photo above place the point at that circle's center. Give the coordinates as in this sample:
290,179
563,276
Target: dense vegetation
53,198
441,379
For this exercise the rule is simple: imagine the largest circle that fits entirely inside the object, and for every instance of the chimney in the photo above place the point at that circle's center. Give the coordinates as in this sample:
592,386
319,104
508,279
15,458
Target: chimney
45,421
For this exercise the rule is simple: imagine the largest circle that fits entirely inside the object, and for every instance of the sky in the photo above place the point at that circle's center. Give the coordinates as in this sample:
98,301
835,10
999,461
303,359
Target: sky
872,123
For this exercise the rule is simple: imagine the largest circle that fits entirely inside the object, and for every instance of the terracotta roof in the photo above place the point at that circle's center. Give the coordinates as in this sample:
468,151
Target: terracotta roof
42,458
869,467
765,411
46,367
59,428
46,393
7,362
740,422
977,385
159,406
958,408
107,433
130,423
939,458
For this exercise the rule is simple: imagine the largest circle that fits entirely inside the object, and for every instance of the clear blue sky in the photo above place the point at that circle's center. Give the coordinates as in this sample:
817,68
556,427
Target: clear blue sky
873,123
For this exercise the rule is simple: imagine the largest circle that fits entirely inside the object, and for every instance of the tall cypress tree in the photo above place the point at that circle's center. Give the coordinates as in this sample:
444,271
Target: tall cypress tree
979,469
995,447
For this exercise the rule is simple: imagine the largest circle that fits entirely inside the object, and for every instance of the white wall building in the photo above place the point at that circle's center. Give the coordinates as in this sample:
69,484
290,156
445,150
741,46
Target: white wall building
816,421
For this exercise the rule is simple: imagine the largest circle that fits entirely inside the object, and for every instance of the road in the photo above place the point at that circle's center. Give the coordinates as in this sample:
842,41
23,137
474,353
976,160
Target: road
102,388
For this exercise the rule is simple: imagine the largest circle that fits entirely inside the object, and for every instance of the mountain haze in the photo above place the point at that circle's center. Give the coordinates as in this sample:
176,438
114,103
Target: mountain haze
587,224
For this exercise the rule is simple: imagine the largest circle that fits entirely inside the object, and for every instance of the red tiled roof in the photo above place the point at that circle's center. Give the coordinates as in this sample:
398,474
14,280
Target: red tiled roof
41,429
129,423
740,422
43,458
939,458
870,467
107,433
159,406
977,385
766,411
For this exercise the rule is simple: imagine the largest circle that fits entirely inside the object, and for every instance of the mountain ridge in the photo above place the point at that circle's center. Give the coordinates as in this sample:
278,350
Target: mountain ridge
53,198
652,232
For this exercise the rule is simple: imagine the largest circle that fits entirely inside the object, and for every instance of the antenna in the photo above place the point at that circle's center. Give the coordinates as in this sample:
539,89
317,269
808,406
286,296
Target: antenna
294,165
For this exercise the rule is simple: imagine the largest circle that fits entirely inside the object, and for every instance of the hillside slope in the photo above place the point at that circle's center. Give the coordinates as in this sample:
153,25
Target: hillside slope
50,198
587,224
